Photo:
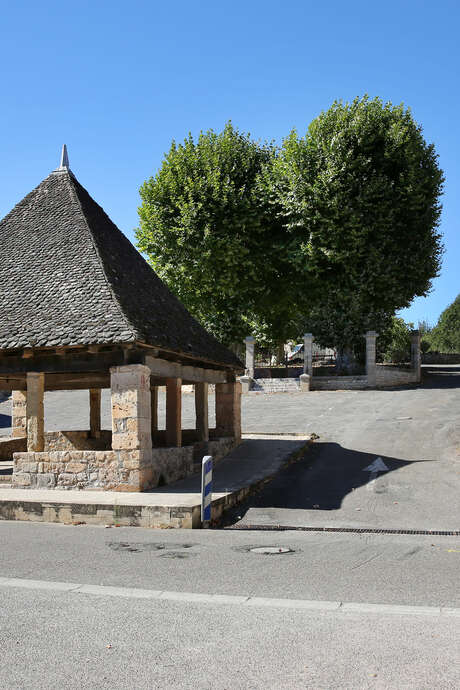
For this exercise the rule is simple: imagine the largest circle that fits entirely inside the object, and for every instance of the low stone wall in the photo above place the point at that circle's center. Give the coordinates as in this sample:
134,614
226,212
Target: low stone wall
112,470
9,445
332,383
394,376
385,376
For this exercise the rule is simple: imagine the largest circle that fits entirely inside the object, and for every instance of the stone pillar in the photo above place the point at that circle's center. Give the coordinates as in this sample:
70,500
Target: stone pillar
154,410
305,382
131,423
201,411
174,412
415,354
250,343
308,354
19,414
371,371
35,412
95,412
228,409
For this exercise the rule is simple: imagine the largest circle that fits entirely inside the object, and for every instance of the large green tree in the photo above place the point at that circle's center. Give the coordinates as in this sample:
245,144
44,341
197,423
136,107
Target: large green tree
445,336
212,234
359,195
330,233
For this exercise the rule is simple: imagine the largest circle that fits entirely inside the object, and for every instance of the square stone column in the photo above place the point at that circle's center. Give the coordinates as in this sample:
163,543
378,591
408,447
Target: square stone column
371,371
35,412
308,354
154,410
250,344
19,414
201,411
95,412
228,409
174,412
415,354
305,382
131,412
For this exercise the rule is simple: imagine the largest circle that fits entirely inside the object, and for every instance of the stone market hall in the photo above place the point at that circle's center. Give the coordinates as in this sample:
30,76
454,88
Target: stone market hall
80,308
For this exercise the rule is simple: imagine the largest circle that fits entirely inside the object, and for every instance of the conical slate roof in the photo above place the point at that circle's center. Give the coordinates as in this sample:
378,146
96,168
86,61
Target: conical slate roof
68,276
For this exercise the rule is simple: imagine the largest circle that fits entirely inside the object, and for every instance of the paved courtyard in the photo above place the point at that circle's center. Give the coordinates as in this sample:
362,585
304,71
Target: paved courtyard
414,431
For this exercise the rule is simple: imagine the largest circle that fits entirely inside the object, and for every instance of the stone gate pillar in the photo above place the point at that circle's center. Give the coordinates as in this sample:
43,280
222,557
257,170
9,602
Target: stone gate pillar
35,412
250,343
19,414
416,356
228,409
308,354
371,368
305,378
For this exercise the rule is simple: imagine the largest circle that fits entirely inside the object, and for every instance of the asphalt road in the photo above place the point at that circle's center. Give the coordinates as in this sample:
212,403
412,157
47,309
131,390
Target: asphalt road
414,431
314,629
88,607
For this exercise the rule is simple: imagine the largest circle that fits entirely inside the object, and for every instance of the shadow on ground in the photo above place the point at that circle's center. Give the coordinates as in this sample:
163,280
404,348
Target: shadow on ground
319,482
441,376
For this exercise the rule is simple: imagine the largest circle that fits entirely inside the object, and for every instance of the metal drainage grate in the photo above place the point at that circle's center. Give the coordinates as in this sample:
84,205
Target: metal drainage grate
353,530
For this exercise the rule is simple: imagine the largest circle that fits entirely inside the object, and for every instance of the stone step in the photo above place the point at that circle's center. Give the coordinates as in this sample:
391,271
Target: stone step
288,385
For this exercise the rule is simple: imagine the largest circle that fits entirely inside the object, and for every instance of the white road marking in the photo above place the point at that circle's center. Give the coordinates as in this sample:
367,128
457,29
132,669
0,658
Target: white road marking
374,468
227,599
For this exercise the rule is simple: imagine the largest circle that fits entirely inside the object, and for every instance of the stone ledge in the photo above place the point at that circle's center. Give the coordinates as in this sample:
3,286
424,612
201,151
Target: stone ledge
179,507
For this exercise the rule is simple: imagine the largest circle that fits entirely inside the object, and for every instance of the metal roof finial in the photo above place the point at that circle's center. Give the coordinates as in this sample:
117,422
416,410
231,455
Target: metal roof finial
64,159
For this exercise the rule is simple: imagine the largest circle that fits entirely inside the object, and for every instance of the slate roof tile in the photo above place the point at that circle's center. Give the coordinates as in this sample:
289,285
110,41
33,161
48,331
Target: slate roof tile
68,276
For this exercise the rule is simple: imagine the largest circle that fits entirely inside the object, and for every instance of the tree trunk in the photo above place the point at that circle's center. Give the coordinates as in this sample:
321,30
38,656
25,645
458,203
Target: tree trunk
280,356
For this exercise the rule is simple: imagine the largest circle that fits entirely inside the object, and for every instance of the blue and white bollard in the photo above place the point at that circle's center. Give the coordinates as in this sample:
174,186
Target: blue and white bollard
206,490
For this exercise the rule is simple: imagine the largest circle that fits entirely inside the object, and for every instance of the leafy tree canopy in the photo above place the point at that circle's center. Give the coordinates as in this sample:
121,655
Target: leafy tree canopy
330,233
394,344
210,233
445,336
360,195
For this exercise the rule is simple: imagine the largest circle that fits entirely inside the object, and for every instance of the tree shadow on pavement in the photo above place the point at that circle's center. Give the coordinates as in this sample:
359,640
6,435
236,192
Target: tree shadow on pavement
320,481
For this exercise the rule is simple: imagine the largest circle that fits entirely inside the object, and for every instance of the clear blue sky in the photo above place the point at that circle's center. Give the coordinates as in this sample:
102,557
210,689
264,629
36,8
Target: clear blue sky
116,81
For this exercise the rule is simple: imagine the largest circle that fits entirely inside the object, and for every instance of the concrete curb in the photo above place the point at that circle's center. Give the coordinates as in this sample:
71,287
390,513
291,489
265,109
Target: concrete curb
337,607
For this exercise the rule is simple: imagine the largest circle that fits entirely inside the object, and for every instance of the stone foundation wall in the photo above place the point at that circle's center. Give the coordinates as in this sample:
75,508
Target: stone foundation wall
112,470
332,383
392,376
385,376
71,469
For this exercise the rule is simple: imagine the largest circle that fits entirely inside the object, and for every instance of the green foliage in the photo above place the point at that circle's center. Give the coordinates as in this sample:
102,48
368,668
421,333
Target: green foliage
394,344
213,237
360,198
425,332
331,233
445,336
